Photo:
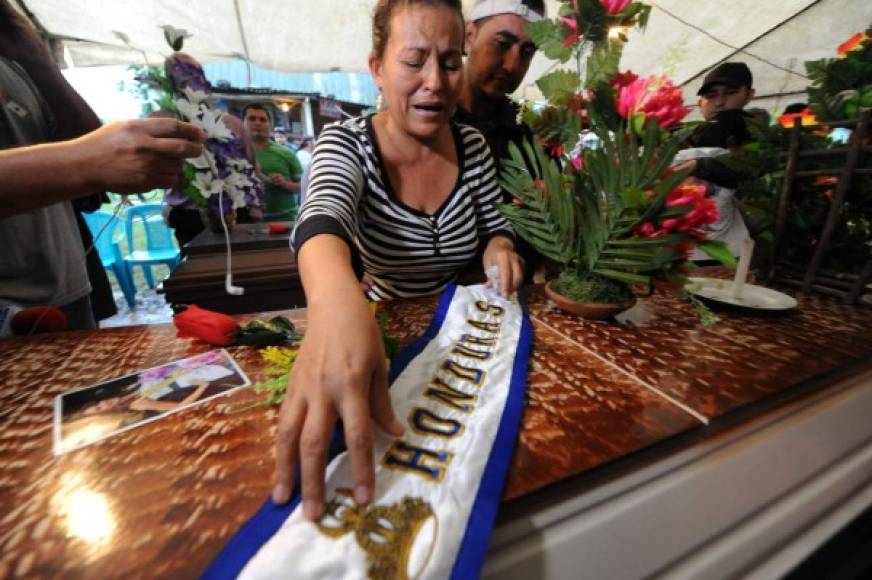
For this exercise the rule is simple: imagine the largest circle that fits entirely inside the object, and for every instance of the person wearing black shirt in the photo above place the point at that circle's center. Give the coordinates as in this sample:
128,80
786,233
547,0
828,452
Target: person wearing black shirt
499,52
725,92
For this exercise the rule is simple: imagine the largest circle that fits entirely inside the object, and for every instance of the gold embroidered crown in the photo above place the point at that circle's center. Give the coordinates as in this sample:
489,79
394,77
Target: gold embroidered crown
386,533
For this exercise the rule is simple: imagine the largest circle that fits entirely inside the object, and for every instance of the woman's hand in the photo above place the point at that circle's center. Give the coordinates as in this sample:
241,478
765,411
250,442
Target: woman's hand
339,372
500,252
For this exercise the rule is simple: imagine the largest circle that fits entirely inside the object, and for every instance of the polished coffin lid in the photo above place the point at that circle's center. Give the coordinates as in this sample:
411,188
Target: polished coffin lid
262,263
166,497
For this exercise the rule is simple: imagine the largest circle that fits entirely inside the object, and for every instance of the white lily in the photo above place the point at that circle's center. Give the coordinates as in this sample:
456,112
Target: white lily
238,180
204,161
196,97
237,196
207,184
240,165
188,110
213,123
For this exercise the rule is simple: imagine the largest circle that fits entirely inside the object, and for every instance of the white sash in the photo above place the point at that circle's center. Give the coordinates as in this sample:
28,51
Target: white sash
459,390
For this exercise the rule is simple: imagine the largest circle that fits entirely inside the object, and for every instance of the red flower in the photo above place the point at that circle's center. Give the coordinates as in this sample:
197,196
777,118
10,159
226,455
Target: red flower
213,327
577,106
852,43
623,79
683,249
806,118
703,211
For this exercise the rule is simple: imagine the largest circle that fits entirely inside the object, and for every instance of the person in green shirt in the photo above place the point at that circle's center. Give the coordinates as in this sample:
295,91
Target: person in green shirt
281,168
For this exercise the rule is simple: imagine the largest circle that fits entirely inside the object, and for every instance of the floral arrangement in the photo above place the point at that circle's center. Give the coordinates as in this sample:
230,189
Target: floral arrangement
222,177
595,192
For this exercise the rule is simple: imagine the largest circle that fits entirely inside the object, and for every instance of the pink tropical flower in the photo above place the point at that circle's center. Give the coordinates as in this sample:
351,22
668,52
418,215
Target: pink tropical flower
615,6
655,97
577,163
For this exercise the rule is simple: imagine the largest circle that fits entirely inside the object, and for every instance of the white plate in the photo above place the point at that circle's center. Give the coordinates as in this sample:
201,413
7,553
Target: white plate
753,297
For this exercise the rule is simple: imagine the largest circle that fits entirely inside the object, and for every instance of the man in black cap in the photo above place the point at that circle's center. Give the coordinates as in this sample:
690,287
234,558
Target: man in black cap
728,87
723,95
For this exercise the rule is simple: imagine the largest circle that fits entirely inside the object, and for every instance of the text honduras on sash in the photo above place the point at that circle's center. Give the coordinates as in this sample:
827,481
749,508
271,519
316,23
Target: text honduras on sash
459,389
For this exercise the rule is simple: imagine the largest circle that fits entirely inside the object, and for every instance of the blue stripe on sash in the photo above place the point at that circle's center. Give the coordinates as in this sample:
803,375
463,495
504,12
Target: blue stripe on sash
470,557
270,517
250,538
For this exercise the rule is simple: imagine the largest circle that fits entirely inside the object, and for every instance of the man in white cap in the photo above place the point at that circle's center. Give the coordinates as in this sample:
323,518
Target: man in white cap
499,52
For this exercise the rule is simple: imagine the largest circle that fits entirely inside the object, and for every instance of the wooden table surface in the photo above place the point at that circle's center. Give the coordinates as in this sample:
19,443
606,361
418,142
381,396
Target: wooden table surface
163,499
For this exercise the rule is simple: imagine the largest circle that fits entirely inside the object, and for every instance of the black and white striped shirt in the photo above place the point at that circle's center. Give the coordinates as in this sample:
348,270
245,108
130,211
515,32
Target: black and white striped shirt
405,251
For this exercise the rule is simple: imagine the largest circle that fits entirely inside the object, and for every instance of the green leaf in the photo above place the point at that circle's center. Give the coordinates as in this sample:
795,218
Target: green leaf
634,198
603,63
189,172
639,12
718,250
278,330
553,123
647,242
548,36
623,276
559,86
625,265
643,16
547,218
637,121
594,21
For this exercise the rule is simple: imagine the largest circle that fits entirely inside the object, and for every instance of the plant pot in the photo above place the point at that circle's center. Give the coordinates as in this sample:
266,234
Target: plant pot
587,310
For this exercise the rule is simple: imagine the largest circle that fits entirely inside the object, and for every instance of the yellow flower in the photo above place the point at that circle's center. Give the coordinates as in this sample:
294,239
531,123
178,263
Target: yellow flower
279,356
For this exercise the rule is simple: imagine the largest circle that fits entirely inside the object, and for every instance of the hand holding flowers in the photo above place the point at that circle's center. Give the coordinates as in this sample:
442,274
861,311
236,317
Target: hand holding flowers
222,177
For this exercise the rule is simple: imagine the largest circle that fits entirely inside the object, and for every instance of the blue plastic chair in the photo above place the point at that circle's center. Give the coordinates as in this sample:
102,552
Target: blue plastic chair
103,226
160,247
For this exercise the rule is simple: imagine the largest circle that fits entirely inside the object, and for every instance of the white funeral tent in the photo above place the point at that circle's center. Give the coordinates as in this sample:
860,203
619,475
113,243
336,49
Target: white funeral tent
683,39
